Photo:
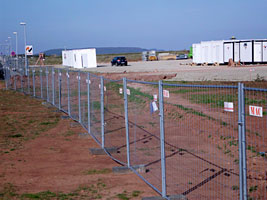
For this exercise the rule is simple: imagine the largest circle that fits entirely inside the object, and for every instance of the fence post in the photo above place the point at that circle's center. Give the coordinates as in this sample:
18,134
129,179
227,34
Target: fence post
59,89
21,82
41,82
53,86
126,120
68,87
242,143
88,103
15,87
240,124
102,112
79,96
47,92
28,79
162,140
244,157
5,73
33,81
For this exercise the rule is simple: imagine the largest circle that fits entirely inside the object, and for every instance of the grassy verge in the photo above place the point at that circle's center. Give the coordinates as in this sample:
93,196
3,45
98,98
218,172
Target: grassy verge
22,118
99,190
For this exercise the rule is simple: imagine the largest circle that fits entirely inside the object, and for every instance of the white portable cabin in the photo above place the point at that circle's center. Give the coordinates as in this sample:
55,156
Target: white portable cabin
246,51
196,53
79,58
208,52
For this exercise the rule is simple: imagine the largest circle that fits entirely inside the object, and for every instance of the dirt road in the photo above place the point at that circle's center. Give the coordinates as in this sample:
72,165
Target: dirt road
182,71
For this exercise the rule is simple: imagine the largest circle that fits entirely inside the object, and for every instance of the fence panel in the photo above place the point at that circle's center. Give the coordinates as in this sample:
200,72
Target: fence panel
201,137
95,106
37,82
83,95
64,90
115,140
144,130
256,140
74,104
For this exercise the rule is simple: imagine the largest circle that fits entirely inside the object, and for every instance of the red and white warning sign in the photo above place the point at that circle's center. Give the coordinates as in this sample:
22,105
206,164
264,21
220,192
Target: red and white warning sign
229,106
255,111
166,93
155,97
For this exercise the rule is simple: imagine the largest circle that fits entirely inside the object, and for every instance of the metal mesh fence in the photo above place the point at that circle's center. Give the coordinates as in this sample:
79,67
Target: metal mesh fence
256,140
201,141
115,138
144,130
95,106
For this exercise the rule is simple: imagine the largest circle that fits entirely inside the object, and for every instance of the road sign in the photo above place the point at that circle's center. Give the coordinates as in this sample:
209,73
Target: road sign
13,53
29,50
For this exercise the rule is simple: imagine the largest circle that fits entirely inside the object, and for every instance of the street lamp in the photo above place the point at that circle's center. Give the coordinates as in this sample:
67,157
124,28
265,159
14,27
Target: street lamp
7,48
26,64
10,46
16,34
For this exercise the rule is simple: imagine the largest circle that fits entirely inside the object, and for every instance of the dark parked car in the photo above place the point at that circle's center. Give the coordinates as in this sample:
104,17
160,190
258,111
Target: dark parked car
181,56
121,60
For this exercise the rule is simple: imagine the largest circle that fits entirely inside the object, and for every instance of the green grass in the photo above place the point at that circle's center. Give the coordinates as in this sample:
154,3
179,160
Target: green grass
235,187
184,91
100,171
127,195
96,105
16,135
136,95
215,100
74,93
253,188
255,101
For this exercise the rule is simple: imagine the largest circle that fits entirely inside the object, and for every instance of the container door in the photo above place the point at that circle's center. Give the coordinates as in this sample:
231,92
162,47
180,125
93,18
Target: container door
228,51
236,55
84,60
257,51
264,51
246,51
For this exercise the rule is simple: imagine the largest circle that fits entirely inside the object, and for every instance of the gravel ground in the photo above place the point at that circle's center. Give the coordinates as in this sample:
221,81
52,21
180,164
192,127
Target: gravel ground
185,72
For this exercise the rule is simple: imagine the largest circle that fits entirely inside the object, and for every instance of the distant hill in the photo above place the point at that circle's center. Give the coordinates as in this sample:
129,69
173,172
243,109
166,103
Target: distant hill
104,50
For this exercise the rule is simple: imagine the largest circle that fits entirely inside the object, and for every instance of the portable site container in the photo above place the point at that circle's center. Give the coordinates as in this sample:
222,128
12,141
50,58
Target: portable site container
231,50
79,58
206,52
245,51
236,52
217,51
228,51
264,51
196,53
257,53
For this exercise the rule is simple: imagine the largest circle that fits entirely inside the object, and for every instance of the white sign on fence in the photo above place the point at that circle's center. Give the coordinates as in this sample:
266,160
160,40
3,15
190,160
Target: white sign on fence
154,106
255,111
128,91
229,106
155,97
120,90
166,93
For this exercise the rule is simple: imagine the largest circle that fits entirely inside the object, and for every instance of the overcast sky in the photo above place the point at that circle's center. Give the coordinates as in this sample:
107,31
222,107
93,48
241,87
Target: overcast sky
161,24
